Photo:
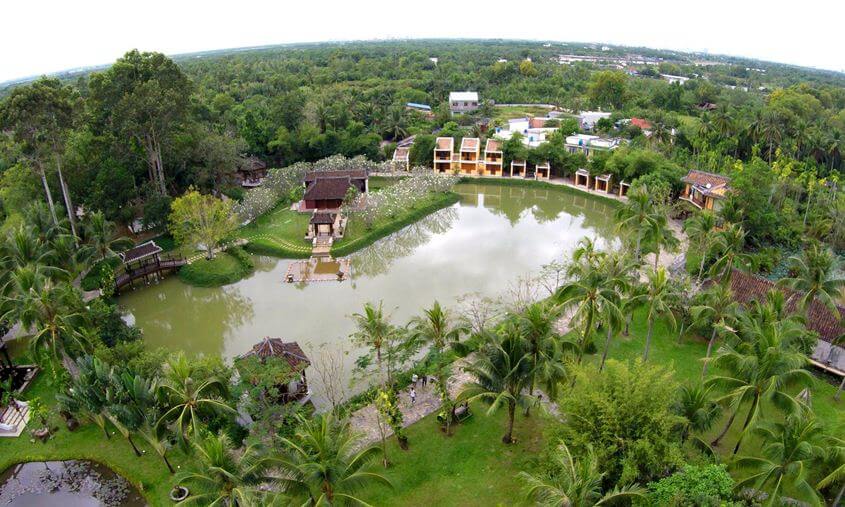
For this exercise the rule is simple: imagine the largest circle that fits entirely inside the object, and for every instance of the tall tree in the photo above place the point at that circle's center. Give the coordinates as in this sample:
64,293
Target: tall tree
638,216
373,330
40,115
660,296
502,372
144,97
201,220
717,309
700,229
815,275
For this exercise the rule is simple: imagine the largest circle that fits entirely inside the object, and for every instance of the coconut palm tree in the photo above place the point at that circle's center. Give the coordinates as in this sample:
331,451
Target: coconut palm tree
637,215
323,465
593,296
373,331
502,372
618,270
86,393
814,275
832,464
573,483
759,368
100,237
660,297
717,310
789,450
697,407
437,328
536,324
226,477
187,400
700,229
730,243
53,311
661,235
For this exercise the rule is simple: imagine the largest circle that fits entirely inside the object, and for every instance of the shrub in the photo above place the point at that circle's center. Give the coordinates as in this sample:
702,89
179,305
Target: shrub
698,485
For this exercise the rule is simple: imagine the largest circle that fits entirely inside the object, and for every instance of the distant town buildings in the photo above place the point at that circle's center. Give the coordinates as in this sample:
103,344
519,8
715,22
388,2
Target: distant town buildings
588,119
589,144
674,79
463,102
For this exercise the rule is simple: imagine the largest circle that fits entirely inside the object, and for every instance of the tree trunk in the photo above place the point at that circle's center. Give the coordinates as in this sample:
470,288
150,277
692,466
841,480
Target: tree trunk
68,202
637,251
701,266
134,447
745,426
656,257
508,438
167,462
49,195
839,391
606,348
681,333
839,496
724,432
709,349
648,338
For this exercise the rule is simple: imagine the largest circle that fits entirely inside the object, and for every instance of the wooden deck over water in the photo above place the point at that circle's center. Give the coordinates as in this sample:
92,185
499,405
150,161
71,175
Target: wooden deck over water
319,269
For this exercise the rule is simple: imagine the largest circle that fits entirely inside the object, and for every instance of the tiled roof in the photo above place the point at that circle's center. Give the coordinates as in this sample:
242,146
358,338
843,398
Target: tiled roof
355,174
469,144
493,145
641,123
445,143
141,251
322,217
327,188
709,183
275,347
747,288
249,164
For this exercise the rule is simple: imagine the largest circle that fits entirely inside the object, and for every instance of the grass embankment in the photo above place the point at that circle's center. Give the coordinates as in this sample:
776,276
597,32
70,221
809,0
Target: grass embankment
148,473
358,236
225,268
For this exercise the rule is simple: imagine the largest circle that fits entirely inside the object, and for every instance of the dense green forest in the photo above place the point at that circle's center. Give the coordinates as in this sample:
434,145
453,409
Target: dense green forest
134,134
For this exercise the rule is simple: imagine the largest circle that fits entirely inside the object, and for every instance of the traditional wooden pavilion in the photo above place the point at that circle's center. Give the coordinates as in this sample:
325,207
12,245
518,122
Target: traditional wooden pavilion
325,223
582,178
326,189
251,172
603,183
704,189
290,352
542,171
623,188
144,262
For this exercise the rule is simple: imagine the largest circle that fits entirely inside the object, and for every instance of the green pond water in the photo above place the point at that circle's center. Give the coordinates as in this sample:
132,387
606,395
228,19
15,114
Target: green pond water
484,244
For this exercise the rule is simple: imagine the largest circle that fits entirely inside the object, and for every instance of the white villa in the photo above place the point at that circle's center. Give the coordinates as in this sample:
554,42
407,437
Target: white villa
463,102
588,144
588,119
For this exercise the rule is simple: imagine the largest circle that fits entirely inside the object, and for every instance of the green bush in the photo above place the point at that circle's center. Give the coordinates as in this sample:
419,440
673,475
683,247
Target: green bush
702,486
227,267
98,273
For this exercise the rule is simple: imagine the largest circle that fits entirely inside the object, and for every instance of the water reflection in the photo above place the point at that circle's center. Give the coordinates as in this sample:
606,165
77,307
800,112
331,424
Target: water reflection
493,236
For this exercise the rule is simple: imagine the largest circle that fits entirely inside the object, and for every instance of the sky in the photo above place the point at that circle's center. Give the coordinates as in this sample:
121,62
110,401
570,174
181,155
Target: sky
40,37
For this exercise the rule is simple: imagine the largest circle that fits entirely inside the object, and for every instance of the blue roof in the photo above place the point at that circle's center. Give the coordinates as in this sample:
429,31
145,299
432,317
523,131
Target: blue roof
419,106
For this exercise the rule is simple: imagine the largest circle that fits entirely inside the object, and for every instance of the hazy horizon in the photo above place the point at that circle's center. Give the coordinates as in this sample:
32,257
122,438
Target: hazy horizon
97,32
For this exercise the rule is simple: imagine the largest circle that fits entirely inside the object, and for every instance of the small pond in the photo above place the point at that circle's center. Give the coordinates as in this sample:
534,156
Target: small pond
66,484
483,244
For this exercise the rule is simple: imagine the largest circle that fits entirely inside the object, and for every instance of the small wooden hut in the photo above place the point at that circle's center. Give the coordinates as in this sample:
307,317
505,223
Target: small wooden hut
290,352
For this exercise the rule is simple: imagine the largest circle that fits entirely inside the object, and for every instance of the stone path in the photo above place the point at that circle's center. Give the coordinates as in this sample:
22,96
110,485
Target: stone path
365,420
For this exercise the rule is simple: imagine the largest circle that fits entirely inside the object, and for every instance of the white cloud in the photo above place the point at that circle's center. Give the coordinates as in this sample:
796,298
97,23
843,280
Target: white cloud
42,36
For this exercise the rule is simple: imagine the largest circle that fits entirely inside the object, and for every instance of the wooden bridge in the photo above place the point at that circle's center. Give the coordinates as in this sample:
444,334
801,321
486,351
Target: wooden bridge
152,268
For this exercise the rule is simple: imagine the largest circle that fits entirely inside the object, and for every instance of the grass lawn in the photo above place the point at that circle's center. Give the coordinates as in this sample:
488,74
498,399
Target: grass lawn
225,268
148,473
472,467
281,232
503,114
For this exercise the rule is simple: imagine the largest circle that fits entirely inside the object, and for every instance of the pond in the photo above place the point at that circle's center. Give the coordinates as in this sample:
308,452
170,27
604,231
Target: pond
483,244
66,483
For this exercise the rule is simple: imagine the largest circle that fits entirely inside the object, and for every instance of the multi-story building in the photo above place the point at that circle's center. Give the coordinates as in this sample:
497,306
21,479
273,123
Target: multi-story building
463,102
493,158
443,148
470,155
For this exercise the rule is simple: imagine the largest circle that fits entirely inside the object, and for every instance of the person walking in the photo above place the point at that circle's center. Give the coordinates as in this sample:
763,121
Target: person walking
414,379
413,395
424,380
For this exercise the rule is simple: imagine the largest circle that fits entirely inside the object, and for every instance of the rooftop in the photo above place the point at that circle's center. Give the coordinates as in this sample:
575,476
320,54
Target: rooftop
470,144
323,217
327,189
401,154
463,96
275,347
141,251
493,145
250,164
708,183
444,143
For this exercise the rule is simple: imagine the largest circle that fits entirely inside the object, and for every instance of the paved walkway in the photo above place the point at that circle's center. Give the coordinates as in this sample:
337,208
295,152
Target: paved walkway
365,420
